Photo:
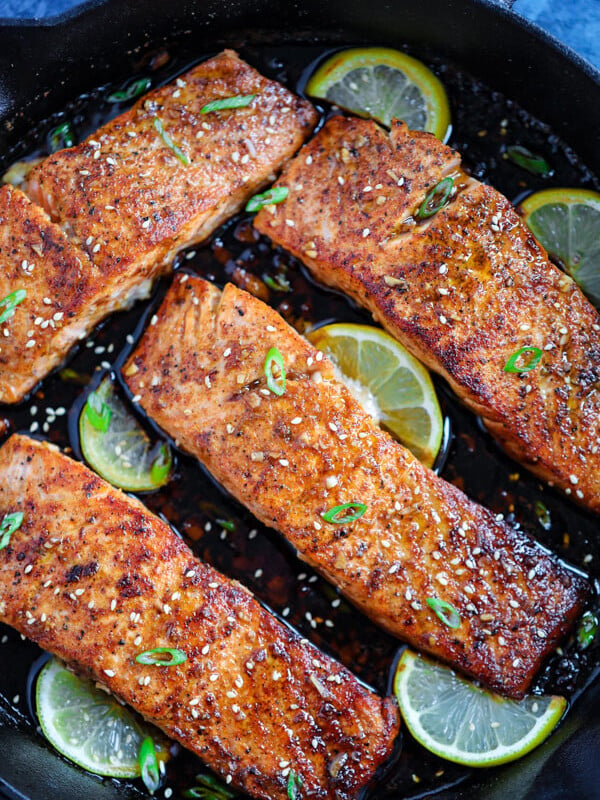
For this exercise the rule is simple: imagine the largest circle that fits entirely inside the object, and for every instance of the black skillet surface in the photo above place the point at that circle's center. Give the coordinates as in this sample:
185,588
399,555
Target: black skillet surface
49,69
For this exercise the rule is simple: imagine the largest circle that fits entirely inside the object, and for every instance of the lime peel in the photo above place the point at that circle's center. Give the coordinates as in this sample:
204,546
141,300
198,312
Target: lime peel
461,722
383,84
122,453
89,726
391,385
566,222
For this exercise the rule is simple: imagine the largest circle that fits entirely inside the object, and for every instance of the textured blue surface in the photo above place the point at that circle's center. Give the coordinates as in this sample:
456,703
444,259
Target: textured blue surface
576,22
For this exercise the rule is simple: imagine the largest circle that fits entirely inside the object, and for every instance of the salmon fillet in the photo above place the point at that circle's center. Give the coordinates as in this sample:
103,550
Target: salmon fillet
126,196
94,578
463,290
65,294
199,372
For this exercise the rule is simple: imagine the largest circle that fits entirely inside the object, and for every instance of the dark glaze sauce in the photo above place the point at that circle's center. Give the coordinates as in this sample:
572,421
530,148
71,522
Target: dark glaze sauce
484,124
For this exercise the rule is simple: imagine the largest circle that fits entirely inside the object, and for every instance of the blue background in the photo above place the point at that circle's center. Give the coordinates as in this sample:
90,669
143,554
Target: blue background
576,22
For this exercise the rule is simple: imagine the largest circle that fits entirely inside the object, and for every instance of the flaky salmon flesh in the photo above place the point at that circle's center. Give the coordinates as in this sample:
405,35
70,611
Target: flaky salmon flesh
463,290
164,175
96,579
199,371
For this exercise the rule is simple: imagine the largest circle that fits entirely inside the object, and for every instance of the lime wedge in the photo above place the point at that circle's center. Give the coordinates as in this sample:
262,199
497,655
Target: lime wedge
88,726
383,84
567,223
460,722
117,447
391,385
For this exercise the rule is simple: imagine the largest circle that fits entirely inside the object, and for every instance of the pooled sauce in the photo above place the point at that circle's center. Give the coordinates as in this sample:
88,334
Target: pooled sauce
485,123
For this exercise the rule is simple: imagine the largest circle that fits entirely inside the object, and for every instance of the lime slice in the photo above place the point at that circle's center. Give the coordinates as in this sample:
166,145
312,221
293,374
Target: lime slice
90,727
567,223
117,447
460,722
391,385
383,84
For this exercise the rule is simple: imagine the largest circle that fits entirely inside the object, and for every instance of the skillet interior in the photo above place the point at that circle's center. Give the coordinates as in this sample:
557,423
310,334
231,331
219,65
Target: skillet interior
111,41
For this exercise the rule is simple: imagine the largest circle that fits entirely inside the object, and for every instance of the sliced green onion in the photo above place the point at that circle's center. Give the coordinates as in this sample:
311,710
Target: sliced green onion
543,514
61,136
10,302
588,629
69,375
532,162
445,611
332,514
536,357
436,199
10,523
210,789
161,466
98,412
226,523
294,785
133,90
149,770
168,142
237,101
276,194
278,284
156,657
275,357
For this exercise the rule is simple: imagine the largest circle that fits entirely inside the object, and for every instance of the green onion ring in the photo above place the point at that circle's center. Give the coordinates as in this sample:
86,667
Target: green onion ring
275,357
443,188
237,101
10,302
10,523
511,364
276,194
161,466
168,142
149,770
154,658
294,785
98,412
440,607
532,162
130,92
332,514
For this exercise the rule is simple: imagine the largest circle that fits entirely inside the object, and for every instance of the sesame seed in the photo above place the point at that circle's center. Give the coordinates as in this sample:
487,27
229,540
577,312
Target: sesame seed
110,672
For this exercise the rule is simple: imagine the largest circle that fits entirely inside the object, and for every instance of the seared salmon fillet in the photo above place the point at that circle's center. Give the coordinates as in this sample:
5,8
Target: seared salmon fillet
163,175
463,290
64,294
292,456
96,579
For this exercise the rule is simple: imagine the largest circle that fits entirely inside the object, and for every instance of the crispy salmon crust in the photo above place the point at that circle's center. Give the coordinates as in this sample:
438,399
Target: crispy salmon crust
125,194
463,290
94,578
65,296
199,372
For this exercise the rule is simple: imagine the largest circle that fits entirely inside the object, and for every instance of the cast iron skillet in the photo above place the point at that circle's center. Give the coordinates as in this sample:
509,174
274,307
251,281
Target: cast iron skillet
43,66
